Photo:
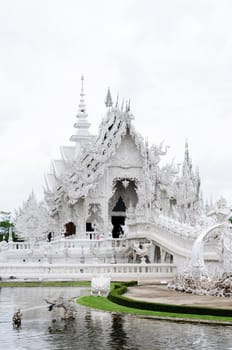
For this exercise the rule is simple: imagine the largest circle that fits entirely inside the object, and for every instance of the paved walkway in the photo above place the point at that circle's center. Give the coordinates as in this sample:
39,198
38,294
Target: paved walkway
161,294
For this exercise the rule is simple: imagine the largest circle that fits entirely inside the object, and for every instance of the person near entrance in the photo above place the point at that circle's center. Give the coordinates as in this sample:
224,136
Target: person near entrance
117,231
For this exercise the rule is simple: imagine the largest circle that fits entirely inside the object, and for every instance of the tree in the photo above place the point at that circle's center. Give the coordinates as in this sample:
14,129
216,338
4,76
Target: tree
5,225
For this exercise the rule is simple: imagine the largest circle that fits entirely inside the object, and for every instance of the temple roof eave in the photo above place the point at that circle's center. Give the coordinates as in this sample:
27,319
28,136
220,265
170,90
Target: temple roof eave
67,153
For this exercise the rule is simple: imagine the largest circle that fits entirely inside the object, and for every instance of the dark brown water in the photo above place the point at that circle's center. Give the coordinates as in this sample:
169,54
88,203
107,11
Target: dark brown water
95,329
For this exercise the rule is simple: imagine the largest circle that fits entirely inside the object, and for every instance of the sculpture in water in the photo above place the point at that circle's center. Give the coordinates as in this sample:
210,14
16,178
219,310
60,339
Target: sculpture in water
67,305
17,319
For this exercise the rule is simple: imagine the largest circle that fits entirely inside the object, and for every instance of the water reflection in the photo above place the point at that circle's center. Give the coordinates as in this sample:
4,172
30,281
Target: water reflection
93,329
118,336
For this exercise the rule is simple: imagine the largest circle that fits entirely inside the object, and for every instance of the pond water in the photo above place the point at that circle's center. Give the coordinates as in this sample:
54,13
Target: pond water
93,329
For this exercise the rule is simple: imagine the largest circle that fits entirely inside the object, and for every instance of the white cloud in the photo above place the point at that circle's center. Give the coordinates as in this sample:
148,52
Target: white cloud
172,58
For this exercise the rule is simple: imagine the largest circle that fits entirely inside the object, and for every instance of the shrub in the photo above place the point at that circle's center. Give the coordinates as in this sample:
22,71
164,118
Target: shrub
116,296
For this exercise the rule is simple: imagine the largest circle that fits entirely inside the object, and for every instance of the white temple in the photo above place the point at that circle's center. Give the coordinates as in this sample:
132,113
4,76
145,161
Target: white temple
115,179
110,201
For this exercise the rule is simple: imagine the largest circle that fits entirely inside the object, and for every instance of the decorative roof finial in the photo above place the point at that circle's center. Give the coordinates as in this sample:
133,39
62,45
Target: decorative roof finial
116,103
187,159
82,100
108,101
128,106
186,150
82,125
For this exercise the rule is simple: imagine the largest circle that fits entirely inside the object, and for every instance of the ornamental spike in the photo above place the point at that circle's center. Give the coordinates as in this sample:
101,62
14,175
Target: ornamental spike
108,101
82,107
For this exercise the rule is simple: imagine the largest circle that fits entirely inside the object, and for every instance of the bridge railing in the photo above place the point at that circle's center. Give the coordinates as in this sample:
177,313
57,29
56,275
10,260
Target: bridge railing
86,271
68,243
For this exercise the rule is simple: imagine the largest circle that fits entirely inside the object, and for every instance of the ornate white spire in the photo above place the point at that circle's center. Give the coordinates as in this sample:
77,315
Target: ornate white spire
116,103
187,161
82,125
108,101
186,151
82,95
128,106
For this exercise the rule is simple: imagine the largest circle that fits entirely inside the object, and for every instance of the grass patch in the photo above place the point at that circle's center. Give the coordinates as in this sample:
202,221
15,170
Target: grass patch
102,303
45,284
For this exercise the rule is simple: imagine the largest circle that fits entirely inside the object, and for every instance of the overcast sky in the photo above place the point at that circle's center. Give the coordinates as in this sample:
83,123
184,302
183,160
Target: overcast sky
172,58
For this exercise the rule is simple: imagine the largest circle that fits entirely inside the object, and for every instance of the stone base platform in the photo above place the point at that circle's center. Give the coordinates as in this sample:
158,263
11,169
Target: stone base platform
155,293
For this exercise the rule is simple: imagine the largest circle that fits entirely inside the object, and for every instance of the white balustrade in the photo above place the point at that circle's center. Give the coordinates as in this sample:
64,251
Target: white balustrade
74,259
66,243
85,271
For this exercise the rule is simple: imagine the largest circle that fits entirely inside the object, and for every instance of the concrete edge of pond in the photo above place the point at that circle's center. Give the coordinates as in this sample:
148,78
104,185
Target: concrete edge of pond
189,320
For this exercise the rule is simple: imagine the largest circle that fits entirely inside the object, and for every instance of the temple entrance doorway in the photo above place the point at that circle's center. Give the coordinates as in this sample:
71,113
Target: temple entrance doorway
118,222
70,229
124,196
118,218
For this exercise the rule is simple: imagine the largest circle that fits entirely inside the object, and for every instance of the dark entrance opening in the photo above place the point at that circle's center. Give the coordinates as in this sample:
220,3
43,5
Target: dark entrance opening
70,229
118,218
120,205
117,222
89,228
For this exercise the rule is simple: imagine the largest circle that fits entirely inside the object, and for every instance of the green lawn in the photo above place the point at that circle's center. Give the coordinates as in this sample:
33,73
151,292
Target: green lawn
102,303
45,284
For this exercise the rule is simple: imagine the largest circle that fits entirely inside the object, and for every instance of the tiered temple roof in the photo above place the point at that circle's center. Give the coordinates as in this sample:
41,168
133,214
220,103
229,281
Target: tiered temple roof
82,165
